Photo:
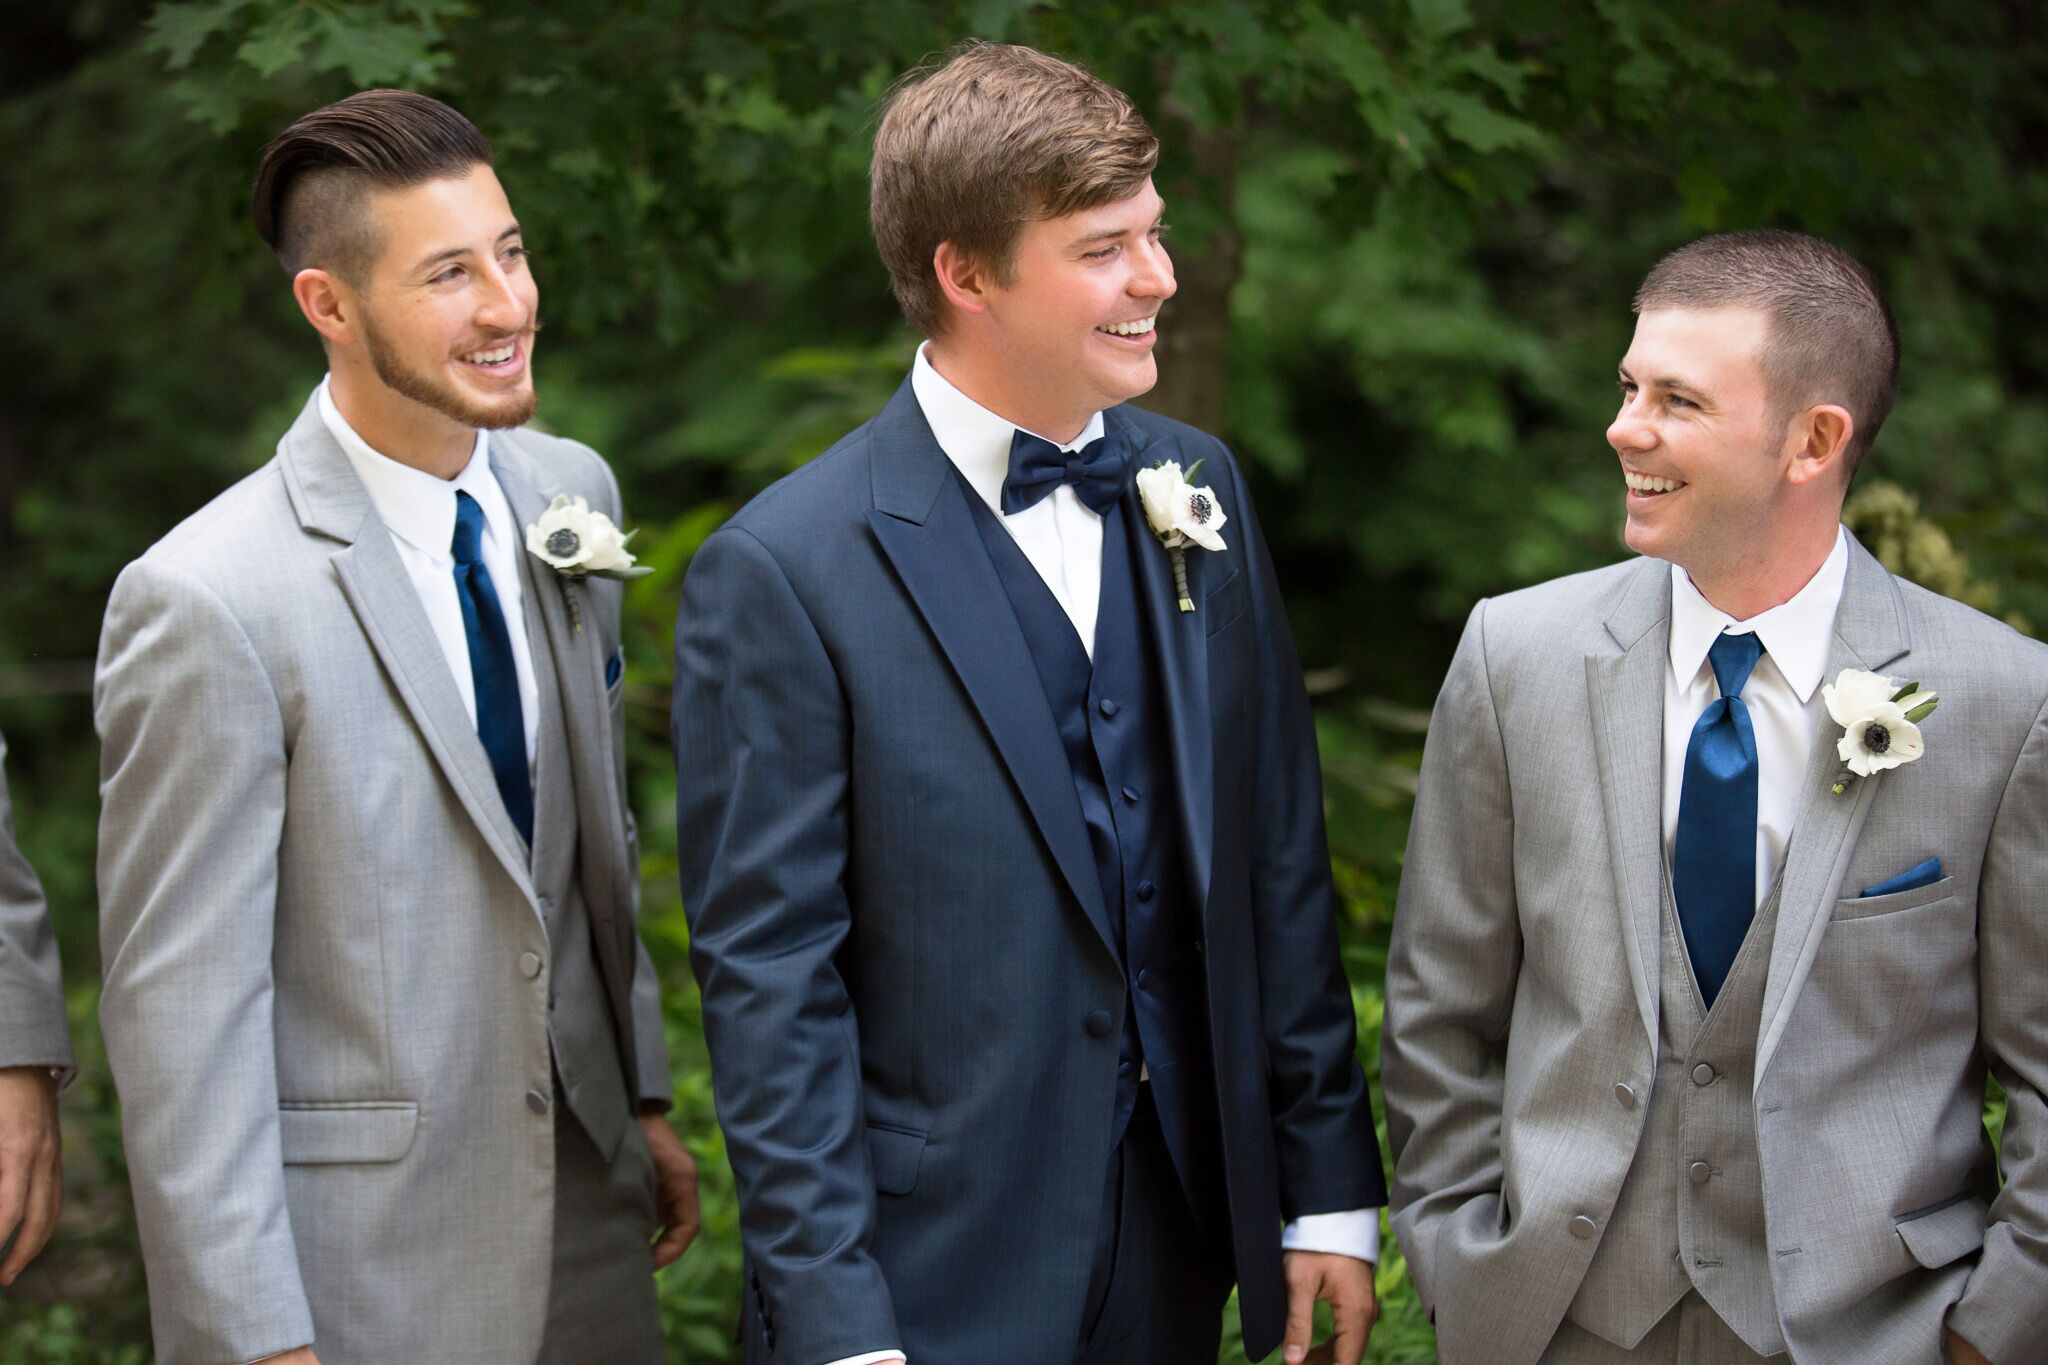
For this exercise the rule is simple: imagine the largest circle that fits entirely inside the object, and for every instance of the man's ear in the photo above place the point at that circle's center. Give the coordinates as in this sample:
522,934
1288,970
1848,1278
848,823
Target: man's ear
1820,442
962,279
328,303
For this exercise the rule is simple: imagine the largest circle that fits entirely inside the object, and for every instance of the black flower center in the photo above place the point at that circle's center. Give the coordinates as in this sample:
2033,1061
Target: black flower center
1200,507
564,543
1876,738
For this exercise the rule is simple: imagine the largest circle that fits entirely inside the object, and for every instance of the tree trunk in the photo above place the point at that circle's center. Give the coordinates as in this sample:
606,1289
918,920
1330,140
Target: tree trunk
1194,328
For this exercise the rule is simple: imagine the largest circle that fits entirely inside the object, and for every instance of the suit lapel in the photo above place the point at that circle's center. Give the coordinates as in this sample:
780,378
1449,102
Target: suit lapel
563,606
331,501
1627,690
1180,643
1870,633
923,522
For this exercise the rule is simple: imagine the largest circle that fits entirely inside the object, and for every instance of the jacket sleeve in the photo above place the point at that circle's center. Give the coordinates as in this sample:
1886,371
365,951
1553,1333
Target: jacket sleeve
192,789
32,1028
1451,973
2000,1312
1329,1156
763,754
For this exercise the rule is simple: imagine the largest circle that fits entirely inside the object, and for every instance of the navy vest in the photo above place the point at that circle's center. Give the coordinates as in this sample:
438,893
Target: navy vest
1114,727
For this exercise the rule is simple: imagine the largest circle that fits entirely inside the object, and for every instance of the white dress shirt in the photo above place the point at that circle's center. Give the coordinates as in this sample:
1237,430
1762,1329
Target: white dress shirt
1782,695
419,511
1062,537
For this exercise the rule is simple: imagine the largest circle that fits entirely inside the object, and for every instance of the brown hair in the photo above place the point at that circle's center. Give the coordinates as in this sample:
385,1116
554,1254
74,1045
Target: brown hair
970,151
310,185
1831,338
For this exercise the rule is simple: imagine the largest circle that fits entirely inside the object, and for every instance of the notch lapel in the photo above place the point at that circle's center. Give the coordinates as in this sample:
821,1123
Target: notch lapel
1180,642
332,502
1627,692
924,525
567,614
1870,633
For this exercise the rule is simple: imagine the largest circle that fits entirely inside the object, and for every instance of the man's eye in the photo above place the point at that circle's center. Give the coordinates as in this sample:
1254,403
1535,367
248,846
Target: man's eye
447,276
1678,401
518,253
1102,255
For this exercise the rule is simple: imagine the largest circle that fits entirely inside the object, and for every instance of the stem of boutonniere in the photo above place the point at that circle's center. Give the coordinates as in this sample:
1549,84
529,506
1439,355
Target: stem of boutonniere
1180,576
575,614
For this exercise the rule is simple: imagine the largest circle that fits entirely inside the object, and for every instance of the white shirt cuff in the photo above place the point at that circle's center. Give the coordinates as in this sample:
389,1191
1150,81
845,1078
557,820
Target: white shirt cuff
1355,1232
871,1358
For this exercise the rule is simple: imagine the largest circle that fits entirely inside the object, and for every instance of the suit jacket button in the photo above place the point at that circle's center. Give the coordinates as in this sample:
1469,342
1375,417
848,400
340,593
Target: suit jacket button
1624,1094
1146,891
529,965
1703,1074
1098,1023
1700,1172
1107,707
537,1101
1583,1227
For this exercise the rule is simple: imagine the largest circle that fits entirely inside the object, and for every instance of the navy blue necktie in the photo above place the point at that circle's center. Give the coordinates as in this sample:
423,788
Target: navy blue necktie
1713,865
1037,466
500,722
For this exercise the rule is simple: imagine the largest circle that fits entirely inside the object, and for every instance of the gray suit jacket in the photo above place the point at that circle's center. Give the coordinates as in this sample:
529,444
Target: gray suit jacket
32,1029
329,1043
1522,984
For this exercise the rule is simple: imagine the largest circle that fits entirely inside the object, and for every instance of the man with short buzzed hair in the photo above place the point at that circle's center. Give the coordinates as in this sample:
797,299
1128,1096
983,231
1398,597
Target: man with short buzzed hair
1723,896
389,1051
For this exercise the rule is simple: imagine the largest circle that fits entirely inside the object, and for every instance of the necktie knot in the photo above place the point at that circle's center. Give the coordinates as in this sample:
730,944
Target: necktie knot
1734,657
1037,466
469,529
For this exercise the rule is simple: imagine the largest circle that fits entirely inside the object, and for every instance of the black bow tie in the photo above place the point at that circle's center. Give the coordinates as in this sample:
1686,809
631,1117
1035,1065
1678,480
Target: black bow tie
1037,466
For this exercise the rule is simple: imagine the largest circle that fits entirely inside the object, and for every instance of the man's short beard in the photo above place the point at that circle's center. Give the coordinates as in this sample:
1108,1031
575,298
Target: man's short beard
511,411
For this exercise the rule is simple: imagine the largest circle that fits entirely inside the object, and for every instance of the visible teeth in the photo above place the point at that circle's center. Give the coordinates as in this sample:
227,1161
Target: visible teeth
497,357
1643,483
1129,329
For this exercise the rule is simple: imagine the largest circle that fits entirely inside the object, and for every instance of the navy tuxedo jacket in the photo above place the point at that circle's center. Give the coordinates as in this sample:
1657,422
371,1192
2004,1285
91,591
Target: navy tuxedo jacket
911,990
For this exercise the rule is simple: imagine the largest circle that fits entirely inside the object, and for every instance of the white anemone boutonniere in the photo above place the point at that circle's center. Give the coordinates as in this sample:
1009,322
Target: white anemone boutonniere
1880,722
579,543
1181,515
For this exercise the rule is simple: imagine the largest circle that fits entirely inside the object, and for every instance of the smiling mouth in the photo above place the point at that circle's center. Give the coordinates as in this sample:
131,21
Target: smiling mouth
1649,486
502,358
1141,328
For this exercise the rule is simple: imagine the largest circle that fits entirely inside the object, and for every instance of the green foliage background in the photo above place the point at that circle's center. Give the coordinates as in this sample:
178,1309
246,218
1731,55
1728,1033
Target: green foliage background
1407,231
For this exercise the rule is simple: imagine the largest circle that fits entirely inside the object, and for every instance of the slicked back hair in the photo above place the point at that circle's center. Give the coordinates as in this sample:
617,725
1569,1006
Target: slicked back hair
972,150
1831,337
308,201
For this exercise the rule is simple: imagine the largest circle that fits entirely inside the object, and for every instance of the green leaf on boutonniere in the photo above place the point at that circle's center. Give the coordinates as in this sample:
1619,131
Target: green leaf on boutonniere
1908,690
1193,470
1922,711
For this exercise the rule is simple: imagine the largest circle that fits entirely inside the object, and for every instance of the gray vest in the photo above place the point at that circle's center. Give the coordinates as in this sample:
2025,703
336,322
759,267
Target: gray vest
1691,1212
586,1048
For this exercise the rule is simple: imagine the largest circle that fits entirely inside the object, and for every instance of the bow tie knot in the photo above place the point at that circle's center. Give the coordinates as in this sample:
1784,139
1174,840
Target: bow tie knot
1096,471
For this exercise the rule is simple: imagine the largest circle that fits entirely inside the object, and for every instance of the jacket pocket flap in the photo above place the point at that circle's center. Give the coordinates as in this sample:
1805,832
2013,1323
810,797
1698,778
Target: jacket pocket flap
1947,1233
895,1153
331,1134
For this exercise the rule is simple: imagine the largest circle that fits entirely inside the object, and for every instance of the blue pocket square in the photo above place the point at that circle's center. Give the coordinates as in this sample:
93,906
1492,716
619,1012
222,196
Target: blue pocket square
616,665
1925,874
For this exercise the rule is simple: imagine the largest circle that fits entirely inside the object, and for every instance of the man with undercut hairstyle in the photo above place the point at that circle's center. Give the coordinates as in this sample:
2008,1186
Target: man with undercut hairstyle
389,1051
1000,822
1724,894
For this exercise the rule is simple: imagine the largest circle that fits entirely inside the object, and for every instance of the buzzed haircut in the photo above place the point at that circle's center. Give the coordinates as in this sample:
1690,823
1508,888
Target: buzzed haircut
972,150
308,201
1831,337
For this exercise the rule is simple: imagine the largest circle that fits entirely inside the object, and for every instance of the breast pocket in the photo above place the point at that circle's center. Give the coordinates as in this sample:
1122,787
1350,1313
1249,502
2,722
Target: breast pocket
1896,903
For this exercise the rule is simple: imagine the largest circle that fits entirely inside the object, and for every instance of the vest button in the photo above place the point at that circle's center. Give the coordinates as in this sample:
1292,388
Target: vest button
1146,891
547,908
1107,707
1144,979
1098,1023
1624,1095
529,965
1123,1068
1700,1172
1583,1227
1131,795
1703,1074
537,1101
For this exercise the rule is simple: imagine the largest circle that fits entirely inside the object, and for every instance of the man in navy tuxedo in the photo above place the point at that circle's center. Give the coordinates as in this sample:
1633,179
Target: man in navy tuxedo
1005,869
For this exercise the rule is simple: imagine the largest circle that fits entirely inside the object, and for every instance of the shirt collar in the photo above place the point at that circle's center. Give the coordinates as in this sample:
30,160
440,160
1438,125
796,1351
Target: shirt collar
1796,633
414,505
975,439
